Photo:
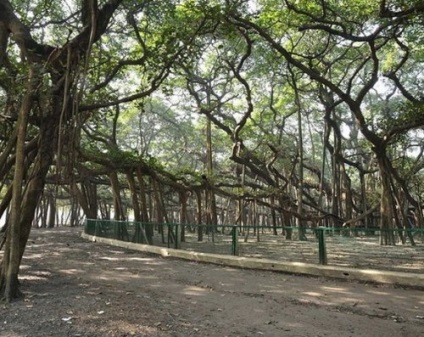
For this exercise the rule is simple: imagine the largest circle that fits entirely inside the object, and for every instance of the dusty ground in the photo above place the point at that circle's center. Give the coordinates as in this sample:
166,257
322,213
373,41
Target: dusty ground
79,288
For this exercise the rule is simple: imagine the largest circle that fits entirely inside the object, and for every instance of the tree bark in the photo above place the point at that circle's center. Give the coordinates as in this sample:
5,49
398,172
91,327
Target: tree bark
9,274
387,211
56,95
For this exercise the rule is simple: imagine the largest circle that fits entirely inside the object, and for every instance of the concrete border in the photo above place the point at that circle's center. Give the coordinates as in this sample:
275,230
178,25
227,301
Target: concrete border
365,275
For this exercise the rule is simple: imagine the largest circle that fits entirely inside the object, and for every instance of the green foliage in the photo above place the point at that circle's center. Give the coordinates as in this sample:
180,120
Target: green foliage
408,116
163,67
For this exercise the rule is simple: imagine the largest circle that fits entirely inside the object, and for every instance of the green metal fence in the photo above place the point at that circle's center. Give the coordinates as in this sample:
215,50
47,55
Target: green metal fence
357,247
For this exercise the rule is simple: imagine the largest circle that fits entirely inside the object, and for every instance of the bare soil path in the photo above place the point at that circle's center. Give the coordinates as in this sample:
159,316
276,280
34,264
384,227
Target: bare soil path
78,288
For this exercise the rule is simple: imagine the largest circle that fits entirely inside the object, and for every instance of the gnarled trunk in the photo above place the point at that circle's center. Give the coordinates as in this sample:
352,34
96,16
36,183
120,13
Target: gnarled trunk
387,211
18,237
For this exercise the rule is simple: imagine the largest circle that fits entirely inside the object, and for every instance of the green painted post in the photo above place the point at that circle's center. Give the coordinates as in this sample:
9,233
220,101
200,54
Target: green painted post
234,242
321,246
96,228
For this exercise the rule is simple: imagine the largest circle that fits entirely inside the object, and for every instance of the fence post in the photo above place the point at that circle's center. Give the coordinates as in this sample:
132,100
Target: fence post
234,242
96,228
322,252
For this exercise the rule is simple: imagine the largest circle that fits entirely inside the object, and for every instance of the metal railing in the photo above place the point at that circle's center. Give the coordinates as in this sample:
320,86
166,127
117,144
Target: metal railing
358,247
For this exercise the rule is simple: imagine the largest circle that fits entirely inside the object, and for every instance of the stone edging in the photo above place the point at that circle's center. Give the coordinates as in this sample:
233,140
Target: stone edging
365,275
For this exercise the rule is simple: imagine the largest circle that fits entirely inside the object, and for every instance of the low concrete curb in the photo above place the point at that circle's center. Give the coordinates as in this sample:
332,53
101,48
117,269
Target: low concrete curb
366,275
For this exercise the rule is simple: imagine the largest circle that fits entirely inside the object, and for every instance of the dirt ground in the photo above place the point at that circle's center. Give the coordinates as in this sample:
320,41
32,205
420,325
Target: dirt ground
76,288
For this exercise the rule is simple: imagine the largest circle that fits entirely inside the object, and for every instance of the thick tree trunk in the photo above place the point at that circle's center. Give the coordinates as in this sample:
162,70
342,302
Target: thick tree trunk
134,196
117,201
10,268
299,190
121,232
33,191
144,208
139,232
211,204
387,212
47,116
86,197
